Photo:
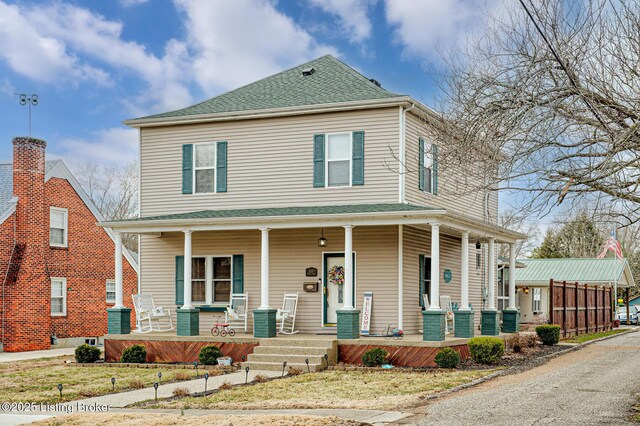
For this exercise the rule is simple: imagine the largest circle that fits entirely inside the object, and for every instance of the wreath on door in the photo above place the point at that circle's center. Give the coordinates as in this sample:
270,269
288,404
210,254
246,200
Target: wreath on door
336,275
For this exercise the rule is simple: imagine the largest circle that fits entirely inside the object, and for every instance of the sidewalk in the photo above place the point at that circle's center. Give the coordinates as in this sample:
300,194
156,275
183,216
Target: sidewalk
22,356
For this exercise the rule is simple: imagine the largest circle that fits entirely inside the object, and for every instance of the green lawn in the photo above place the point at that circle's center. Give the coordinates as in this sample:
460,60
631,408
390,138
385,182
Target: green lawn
334,389
587,337
37,380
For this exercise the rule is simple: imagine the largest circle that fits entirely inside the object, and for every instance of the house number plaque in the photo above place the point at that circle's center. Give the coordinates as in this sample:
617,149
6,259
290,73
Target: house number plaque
447,275
311,272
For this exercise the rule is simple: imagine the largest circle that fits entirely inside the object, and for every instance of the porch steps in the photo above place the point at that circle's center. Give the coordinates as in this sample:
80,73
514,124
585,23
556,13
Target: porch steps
272,353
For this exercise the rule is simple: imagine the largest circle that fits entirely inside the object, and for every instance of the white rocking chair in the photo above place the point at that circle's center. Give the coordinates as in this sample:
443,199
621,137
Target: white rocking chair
287,315
148,316
236,314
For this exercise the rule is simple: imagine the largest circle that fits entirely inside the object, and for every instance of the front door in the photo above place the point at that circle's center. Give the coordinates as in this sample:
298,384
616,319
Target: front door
333,286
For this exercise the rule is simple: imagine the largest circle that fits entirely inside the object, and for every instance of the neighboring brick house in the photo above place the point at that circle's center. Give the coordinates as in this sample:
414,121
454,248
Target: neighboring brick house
56,264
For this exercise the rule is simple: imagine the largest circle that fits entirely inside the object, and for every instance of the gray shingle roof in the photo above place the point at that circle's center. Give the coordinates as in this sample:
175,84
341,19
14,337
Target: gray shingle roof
332,81
6,183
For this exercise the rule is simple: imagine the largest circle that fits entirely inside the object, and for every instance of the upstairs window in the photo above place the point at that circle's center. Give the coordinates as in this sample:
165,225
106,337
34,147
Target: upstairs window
204,160
58,224
428,167
204,168
339,159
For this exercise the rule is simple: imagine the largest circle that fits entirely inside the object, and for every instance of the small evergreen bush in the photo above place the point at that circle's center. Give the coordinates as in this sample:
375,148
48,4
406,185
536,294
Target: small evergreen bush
87,354
135,354
374,357
209,355
486,350
447,358
549,334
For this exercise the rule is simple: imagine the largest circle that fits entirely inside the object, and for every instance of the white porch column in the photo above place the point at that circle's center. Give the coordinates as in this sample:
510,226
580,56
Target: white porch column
434,304
464,273
491,281
512,277
187,270
400,276
348,268
119,296
264,270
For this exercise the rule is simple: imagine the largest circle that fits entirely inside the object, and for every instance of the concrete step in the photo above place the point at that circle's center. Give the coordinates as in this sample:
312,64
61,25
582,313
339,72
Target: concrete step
301,343
279,358
270,366
293,350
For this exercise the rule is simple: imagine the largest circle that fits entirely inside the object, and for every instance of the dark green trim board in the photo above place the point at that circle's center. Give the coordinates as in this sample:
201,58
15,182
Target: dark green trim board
179,280
464,324
490,323
264,323
434,153
188,322
209,308
318,161
238,273
119,320
348,324
421,174
433,325
511,320
187,168
221,166
357,156
421,283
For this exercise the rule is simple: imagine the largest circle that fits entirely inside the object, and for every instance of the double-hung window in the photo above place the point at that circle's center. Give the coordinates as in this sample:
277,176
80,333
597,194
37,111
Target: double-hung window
221,279
204,160
198,279
58,296
338,159
111,291
428,168
211,279
537,300
58,227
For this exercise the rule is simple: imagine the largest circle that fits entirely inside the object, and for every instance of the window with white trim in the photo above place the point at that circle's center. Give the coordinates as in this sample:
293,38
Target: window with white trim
537,300
198,279
111,291
58,227
204,162
338,159
221,279
58,296
428,167
211,279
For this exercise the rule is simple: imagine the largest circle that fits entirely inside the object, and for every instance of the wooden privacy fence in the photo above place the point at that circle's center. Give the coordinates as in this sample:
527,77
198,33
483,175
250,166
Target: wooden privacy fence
580,308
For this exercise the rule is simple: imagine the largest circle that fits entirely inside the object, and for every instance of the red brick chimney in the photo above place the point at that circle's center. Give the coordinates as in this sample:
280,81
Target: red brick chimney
29,310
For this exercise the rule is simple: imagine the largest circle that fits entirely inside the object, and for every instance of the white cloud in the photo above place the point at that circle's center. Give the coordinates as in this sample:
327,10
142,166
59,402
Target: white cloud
353,16
237,42
423,26
7,88
111,145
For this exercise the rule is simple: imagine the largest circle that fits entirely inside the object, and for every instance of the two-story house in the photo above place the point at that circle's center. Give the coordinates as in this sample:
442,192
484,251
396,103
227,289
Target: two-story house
56,263
316,174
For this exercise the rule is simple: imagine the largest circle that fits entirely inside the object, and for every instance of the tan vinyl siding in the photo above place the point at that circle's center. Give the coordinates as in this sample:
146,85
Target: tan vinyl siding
450,194
270,162
417,241
291,252
525,303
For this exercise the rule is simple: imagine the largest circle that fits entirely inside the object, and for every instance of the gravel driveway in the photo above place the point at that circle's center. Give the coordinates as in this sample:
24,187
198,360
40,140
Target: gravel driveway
592,386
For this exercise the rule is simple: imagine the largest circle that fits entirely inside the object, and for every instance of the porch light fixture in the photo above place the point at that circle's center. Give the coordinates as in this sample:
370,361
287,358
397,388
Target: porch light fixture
526,290
322,241
478,246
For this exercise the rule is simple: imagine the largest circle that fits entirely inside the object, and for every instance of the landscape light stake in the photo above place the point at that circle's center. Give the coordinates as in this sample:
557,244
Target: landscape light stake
242,358
195,364
113,384
206,377
155,386
307,362
246,375
326,359
60,389
159,376
284,364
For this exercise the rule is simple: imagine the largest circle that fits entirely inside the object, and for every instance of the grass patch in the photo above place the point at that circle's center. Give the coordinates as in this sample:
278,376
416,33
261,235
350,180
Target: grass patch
334,389
592,336
37,380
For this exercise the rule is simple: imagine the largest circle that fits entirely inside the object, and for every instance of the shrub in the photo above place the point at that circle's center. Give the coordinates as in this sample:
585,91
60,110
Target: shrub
528,340
447,358
549,334
135,354
514,342
181,375
225,386
86,354
181,392
486,350
374,357
209,355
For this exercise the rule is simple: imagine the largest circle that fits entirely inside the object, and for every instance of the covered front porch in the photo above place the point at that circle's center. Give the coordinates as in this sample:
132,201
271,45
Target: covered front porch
379,247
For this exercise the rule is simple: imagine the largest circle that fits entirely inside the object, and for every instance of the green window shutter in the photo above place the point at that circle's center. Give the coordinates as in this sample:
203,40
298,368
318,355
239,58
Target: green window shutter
187,168
179,280
318,161
421,285
221,167
421,164
357,155
238,273
434,152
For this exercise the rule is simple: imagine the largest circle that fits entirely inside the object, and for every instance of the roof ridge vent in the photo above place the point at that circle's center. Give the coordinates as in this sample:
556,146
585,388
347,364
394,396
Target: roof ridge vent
308,71
376,82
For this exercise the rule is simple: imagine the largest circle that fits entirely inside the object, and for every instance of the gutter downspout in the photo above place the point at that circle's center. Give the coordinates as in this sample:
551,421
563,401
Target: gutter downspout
402,153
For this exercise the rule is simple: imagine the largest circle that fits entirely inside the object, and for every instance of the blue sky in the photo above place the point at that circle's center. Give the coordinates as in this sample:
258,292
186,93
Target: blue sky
95,63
